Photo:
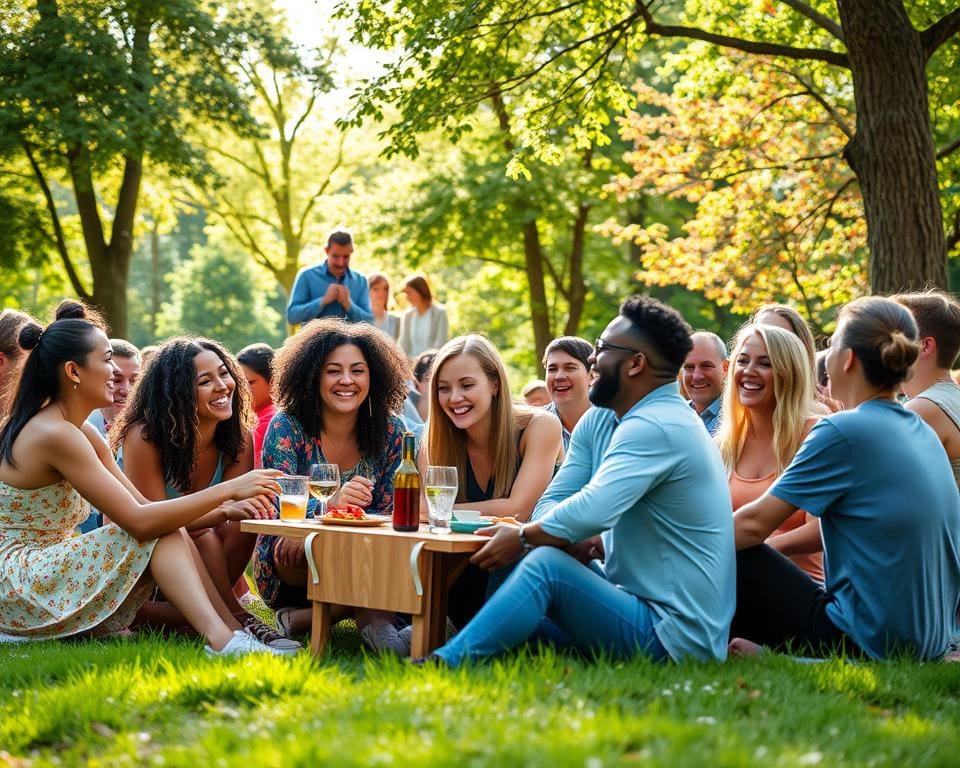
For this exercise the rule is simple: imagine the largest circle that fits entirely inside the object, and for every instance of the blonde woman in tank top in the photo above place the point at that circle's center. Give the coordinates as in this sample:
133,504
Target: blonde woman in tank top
768,409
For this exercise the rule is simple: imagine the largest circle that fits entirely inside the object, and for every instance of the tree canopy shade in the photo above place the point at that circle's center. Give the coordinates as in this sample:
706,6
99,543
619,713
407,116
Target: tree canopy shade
274,180
90,93
576,65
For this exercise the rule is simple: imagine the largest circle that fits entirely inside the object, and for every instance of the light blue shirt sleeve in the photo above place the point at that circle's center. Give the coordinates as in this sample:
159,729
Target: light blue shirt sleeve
820,473
302,307
573,474
360,310
637,459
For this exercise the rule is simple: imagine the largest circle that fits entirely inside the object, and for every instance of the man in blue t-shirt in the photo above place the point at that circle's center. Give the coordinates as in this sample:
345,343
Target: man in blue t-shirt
646,476
331,289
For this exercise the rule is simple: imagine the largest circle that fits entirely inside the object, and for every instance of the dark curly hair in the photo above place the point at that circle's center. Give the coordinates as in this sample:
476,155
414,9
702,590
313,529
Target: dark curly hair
164,408
662,328
298,366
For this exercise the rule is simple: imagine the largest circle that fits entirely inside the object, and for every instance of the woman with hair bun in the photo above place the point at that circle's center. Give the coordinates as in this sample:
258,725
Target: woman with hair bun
52,464
877,477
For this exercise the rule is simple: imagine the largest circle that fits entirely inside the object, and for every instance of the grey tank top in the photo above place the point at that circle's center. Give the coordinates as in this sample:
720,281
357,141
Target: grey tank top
946,396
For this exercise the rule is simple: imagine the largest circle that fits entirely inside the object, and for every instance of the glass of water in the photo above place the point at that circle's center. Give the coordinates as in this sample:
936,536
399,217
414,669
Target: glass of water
324,483
440,488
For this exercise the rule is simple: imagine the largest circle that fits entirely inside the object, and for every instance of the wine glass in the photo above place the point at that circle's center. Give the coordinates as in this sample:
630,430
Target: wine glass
441,492
324,483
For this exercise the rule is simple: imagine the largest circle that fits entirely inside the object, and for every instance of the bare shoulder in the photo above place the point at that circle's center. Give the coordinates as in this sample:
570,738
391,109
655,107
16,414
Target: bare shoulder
544,421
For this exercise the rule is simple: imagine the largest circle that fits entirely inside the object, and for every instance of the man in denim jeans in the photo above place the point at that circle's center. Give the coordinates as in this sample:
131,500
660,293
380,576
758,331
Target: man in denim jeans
643,475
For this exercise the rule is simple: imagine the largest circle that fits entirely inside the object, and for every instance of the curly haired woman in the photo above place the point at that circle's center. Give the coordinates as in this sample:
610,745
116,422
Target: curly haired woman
187,427
338,388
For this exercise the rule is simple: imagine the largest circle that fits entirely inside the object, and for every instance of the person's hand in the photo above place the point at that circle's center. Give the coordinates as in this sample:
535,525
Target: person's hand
256,482
587,550
344,298
288,551
357,490
255,508
503,549
332,294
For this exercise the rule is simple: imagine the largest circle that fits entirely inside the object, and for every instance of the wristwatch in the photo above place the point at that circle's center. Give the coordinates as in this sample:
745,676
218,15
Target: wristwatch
524,541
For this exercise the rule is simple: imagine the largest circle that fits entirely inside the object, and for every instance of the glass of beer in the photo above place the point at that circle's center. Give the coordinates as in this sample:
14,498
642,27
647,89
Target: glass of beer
324,483
293,497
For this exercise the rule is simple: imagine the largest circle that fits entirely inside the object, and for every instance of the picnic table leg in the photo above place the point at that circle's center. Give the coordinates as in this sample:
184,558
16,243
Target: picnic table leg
422,629
320,628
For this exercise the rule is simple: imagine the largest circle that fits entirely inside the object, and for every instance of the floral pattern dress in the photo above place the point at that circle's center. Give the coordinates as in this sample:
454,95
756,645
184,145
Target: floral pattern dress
287,448
55,583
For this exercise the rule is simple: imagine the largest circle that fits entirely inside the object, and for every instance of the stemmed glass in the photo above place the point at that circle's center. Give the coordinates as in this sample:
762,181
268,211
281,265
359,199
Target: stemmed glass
440,486
324,483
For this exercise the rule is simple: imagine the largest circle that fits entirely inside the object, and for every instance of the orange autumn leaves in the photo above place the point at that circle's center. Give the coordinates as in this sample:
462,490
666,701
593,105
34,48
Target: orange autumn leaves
756,151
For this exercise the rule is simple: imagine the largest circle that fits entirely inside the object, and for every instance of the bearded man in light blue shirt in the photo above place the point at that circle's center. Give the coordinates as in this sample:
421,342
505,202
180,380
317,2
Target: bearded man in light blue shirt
644,475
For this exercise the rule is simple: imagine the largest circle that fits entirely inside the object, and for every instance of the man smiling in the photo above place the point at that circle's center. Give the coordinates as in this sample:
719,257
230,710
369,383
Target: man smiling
703,374
643,475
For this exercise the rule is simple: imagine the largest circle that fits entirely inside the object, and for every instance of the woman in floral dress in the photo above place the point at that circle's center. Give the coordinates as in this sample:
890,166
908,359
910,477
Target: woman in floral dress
52,466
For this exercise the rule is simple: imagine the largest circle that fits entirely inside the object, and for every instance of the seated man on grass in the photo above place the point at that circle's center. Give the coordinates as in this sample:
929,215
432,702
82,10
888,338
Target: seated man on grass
643,474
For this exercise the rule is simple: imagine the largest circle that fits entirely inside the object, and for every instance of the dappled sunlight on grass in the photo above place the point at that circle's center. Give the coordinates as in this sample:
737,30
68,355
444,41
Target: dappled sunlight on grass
160,702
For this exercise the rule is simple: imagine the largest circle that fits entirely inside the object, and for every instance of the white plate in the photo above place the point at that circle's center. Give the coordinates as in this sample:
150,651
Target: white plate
466,515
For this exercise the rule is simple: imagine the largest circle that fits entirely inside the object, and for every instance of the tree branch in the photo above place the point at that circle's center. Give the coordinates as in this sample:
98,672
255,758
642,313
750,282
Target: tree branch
827,106
323,187
653,27
821,20
948,149
57,228
938,33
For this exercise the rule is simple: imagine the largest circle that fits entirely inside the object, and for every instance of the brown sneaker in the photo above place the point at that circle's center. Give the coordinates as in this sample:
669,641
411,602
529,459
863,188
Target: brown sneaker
269,636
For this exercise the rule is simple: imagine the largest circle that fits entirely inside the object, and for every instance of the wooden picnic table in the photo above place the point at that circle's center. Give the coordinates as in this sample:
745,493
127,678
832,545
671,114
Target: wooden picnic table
377,568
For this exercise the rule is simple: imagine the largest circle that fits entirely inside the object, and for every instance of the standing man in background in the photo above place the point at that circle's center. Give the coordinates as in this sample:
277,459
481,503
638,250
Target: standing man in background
331,289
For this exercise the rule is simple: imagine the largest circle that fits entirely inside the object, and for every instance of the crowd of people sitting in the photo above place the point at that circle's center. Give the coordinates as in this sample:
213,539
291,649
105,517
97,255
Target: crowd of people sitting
677,497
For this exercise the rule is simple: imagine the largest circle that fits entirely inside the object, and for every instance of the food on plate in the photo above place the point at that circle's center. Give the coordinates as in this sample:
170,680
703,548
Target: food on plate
346,512
508,520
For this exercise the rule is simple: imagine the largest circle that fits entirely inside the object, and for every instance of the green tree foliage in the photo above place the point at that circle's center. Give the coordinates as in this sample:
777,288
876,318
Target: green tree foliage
218,293
90,94
569,63
273,182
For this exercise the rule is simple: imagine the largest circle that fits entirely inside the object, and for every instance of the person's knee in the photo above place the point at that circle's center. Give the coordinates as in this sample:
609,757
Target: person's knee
543,560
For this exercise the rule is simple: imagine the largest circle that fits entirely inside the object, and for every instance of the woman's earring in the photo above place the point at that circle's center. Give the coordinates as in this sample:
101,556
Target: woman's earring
75,385
369,406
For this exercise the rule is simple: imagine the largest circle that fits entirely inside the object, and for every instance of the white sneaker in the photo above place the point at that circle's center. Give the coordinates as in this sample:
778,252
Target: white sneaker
268,636
241,644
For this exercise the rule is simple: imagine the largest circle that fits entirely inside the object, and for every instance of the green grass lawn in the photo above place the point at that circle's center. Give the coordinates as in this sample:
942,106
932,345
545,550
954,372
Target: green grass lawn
152,701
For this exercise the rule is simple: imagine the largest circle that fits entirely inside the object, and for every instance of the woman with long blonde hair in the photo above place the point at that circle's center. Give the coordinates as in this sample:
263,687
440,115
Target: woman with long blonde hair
768,408
505,454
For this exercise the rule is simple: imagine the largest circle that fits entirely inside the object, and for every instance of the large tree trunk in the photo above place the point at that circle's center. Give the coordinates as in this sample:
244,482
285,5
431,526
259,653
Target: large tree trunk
892,152
539,312
577,294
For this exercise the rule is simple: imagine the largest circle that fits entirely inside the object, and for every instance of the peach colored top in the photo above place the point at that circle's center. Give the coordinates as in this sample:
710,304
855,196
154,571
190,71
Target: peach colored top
744,490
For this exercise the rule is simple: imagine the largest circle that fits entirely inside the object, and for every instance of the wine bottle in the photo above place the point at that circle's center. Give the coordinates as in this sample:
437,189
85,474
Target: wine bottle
406,489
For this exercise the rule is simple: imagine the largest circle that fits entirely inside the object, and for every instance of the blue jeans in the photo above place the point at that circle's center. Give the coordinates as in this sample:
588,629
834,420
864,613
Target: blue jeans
550,584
